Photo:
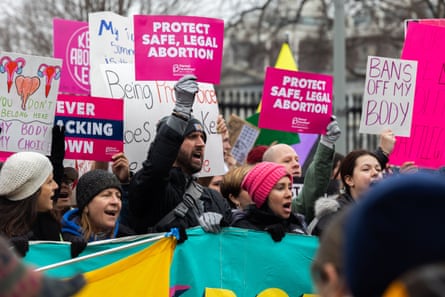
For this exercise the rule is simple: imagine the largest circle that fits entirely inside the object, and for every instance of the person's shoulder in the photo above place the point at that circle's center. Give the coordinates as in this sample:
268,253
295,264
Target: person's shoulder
211,192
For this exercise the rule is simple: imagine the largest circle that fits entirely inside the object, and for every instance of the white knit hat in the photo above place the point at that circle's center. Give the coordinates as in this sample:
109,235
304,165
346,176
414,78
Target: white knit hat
23,174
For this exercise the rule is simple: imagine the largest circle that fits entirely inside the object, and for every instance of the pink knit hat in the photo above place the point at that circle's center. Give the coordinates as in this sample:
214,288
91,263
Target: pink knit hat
260,180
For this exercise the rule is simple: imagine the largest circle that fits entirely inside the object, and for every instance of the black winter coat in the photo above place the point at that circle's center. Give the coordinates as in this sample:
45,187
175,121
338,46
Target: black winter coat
157,188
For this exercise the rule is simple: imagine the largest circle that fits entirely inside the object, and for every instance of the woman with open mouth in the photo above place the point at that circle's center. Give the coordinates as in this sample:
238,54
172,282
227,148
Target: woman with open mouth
98,197
270,187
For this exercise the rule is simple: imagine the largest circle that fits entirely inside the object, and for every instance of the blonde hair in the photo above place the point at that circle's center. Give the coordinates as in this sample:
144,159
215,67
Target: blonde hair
87,228
231,183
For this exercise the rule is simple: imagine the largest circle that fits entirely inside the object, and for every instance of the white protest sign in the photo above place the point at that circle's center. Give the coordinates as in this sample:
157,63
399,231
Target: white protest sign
146,102
388,98
111,42
28,92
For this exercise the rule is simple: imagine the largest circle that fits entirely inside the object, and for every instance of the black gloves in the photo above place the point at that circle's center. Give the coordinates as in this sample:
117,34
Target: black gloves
58,144
57,156
185,90
182,235
77,246
276,231
21,244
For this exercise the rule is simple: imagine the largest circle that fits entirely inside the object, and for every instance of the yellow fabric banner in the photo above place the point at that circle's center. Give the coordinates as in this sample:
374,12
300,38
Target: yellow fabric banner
145,273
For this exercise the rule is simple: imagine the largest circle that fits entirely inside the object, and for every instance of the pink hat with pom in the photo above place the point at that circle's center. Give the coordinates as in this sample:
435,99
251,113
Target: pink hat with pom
260,180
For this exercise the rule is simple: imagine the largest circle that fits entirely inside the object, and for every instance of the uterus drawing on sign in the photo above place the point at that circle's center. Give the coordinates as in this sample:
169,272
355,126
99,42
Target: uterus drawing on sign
11,67
50,73
26,86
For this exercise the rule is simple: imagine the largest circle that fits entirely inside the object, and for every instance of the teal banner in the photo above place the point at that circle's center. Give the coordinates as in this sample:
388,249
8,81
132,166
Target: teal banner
235,262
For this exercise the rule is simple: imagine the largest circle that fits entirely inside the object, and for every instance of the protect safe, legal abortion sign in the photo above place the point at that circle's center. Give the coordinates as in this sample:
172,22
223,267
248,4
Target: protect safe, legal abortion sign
388,99
168,47
296,101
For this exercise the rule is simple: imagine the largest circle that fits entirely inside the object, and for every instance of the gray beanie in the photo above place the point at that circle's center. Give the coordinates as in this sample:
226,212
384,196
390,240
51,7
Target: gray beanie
23,174
92,183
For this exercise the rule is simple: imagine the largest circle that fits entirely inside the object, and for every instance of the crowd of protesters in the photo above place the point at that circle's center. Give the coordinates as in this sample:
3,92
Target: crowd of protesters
42,200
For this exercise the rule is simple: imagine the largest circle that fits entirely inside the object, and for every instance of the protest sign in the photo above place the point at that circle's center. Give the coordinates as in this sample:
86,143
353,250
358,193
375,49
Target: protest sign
169,47
93,126
433,22
242,137
71,43
425,146
389,96
296,101
111,42
146,102
28,92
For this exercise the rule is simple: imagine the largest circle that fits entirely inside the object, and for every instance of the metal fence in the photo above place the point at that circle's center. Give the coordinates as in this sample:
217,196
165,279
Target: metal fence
243,101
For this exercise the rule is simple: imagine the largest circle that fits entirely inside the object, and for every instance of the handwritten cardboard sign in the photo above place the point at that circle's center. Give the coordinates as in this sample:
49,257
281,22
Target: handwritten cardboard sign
93,126
426,144
169,47
242,137
296,101
388,98
146,102
111,42
28,92
71,43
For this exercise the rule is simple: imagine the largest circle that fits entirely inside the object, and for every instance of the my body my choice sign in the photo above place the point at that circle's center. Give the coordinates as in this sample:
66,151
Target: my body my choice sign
296,101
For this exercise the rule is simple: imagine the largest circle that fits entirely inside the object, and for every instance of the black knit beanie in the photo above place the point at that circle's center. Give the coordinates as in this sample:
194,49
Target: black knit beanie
92,183
195,125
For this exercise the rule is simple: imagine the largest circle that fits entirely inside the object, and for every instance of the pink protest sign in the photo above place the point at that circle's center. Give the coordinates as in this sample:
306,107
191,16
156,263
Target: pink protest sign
168,47
296,101
71,43
426,145
93,126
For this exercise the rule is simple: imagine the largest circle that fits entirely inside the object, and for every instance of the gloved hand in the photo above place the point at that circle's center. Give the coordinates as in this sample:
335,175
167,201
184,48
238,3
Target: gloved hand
58,143
57,156
332,133
77,246
21,244
210,221
182,235
276,231
185,90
